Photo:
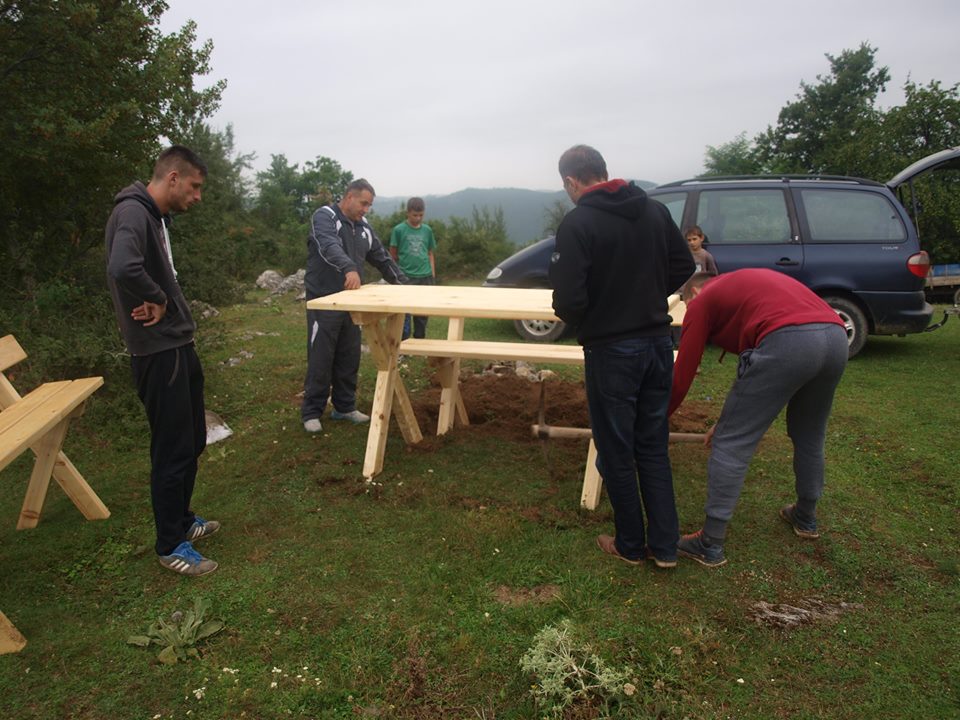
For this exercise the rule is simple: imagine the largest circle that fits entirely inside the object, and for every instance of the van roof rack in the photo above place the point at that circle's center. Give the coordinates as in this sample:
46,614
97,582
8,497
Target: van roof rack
786,178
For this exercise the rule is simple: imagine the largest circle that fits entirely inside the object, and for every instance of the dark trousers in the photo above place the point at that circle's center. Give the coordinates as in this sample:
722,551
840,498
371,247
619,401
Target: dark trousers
628,393
170,386
419,321
333,361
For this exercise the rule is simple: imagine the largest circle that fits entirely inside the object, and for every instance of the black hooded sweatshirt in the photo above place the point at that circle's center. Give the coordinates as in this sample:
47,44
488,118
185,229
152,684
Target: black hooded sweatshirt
619,256
138,270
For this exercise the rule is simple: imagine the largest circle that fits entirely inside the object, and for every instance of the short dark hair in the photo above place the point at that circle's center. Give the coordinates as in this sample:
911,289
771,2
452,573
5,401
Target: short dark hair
179,158
693,230
584,164
416,204
697,280
359,185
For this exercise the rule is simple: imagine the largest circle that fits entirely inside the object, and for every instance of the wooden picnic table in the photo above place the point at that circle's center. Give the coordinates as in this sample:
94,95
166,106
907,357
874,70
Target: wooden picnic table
380,310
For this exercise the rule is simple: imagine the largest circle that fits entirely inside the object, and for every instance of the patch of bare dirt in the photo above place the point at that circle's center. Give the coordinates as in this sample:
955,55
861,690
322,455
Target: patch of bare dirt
505,406
803,613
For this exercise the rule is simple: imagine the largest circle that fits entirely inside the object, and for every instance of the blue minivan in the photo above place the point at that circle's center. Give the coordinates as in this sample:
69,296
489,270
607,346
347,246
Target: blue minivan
850,240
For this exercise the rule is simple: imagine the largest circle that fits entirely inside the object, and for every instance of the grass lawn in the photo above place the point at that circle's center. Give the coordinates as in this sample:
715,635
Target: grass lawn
417,596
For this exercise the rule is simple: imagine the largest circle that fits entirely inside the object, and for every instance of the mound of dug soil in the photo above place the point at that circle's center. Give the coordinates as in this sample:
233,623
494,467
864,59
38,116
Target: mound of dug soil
507,405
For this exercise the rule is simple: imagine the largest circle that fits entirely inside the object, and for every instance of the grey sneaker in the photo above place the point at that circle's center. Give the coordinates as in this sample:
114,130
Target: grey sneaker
801,528
312,425
202,528
694,547
354,416
187,561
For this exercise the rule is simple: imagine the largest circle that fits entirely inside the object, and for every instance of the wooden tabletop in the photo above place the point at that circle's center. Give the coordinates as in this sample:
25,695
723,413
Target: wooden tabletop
454,301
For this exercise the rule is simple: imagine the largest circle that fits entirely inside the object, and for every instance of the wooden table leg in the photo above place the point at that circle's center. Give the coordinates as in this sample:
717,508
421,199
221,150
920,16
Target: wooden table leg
383,334
451,402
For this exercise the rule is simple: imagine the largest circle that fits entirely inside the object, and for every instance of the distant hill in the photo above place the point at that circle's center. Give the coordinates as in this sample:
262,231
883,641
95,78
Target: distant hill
524,211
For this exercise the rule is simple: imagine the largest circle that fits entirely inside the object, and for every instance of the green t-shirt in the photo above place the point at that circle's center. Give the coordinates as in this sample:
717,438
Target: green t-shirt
414,246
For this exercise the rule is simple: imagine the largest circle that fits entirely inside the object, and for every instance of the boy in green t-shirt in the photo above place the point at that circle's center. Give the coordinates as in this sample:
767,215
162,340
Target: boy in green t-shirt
412,245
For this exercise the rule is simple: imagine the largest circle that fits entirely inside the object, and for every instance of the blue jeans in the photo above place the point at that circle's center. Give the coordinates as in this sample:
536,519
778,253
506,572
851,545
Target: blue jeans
628,392
419,321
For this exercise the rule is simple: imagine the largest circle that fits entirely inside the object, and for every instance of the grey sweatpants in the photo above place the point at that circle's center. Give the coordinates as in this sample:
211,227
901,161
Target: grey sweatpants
333,361
798,367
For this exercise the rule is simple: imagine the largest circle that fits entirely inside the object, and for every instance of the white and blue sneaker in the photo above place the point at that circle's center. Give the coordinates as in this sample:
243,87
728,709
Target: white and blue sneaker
187,561
354,416
202,528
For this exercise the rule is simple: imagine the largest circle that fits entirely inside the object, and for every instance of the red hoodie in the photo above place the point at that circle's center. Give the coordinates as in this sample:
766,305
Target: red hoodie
735,311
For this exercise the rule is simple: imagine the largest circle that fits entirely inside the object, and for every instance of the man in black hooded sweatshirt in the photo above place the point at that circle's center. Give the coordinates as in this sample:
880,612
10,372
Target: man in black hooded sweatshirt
619,256
157,327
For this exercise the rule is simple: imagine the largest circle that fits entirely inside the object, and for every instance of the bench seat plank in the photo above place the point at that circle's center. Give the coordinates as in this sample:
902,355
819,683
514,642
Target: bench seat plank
28,420
489,350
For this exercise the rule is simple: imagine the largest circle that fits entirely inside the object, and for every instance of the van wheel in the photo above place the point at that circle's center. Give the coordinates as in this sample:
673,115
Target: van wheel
853,320
539,330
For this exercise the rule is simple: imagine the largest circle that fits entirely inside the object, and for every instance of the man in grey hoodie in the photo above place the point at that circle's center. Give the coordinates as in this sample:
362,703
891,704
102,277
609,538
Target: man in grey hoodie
158,329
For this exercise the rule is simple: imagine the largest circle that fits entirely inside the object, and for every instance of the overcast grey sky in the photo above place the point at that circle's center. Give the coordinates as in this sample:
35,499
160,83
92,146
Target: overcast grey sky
433,96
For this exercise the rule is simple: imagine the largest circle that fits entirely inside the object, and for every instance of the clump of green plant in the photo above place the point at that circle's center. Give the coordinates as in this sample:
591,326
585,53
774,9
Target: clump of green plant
569,673
179,635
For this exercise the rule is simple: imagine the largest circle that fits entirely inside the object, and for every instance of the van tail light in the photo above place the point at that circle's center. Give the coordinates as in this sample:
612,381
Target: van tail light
919,264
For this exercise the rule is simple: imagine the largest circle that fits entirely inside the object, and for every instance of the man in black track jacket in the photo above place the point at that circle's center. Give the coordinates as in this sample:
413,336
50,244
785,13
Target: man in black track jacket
339,242
619,255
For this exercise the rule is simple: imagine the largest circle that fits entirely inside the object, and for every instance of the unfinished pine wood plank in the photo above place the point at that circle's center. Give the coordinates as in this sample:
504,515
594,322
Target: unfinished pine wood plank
47,450
10,352
11,640
78,490
24,423
592,482
379,340
450,382
490,350
442,300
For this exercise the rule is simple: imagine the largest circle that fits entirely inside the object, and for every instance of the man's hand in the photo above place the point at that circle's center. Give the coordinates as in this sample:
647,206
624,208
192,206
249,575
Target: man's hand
351,280
149,313
708,438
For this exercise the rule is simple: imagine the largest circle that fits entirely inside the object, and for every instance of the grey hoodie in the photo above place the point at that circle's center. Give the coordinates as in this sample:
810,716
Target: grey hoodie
138,269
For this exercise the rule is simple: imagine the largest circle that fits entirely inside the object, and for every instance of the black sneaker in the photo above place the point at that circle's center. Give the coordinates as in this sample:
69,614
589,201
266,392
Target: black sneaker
806,530
693,547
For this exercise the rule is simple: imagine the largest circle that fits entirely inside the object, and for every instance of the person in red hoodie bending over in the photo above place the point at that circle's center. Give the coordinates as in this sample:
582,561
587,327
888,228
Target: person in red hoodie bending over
793,351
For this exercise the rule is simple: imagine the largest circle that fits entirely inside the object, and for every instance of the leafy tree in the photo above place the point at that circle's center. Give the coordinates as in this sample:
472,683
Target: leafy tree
87,90
737,157
554,214
818,132
470,247
287,198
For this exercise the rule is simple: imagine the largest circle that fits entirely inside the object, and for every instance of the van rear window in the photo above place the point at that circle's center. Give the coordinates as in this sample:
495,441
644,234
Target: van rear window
851,216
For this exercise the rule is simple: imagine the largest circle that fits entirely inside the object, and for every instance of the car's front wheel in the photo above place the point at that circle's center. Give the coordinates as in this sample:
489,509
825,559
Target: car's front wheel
539,330
854,321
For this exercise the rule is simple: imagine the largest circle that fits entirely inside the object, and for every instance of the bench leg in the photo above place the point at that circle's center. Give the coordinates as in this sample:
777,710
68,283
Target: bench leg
11,640
592,482
77,489
47,451
451,402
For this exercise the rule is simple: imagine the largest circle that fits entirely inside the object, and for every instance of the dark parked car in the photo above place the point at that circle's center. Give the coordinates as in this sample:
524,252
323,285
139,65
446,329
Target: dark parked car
850,240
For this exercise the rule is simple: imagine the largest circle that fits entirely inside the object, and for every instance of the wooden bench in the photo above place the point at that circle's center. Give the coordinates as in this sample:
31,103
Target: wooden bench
39,421
485,350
